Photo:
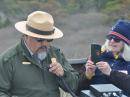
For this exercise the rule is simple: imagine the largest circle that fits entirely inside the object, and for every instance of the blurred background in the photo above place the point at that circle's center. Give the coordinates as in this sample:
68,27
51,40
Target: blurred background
82,21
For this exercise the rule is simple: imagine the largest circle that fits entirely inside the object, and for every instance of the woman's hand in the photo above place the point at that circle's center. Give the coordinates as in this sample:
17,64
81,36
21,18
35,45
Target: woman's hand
90,69
104,67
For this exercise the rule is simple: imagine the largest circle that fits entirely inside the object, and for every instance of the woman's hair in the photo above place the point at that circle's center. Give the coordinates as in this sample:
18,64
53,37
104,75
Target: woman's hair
125,53
105,46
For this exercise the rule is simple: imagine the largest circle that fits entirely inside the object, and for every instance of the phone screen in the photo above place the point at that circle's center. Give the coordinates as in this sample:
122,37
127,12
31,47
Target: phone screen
95,52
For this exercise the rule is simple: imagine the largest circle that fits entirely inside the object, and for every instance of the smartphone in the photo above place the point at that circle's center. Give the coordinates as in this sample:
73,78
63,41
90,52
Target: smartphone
95,52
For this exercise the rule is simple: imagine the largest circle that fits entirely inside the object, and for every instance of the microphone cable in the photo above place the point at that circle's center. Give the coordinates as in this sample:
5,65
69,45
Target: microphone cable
67,87
65,84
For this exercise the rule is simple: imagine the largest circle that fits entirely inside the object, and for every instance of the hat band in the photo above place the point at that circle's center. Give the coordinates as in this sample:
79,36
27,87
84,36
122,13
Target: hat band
121,36
29,28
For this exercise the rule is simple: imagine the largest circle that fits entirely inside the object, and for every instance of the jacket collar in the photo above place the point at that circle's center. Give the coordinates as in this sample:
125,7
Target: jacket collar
110,55
27,57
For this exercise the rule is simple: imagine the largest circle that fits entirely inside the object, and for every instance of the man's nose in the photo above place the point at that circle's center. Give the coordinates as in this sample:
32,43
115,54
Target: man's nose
44,42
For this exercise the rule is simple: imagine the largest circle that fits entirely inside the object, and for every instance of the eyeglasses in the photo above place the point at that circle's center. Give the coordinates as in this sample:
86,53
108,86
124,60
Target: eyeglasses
116,39
41,40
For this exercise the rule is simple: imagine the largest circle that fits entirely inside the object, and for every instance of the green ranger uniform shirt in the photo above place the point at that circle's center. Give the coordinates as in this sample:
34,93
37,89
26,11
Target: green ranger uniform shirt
22,76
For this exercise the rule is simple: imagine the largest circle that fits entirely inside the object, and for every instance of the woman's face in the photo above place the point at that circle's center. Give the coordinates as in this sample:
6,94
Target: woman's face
116,46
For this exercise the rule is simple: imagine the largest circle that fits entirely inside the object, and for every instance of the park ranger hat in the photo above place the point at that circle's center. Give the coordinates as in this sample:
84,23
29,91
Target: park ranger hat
39,24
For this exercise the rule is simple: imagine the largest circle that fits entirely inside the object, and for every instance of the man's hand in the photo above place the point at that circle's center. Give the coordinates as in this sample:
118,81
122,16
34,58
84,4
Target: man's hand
56,68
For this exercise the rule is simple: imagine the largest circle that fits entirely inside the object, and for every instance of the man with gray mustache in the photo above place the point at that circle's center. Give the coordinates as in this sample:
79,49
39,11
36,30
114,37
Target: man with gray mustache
33,67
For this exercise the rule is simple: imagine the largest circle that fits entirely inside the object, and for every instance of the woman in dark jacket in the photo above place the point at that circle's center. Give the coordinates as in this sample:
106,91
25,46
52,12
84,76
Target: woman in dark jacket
115,52
119,79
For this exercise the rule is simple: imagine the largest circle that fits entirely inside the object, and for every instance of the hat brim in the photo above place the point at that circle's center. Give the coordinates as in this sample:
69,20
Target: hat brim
21,27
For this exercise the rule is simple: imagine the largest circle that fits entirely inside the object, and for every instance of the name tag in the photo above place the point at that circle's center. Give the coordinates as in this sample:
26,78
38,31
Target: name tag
26,63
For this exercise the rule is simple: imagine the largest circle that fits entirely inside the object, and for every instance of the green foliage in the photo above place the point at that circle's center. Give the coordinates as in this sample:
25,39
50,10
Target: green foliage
11,7
4,23
100,4
114,9
112,6
71,7
85,4
17,9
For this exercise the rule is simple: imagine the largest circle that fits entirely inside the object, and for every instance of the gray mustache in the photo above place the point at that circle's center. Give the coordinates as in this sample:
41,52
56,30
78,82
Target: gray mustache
42,47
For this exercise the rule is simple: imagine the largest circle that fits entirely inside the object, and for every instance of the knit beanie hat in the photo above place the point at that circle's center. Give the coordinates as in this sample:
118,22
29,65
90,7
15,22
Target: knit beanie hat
122,30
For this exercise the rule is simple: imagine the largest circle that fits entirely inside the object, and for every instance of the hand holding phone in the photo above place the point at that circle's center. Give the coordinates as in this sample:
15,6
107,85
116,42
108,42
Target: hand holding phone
95,52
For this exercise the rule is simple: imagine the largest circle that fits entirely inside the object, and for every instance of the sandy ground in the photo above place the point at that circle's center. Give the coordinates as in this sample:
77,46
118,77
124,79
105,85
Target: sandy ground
79,30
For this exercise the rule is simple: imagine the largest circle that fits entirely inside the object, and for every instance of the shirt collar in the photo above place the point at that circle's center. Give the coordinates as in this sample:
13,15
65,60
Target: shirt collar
31,53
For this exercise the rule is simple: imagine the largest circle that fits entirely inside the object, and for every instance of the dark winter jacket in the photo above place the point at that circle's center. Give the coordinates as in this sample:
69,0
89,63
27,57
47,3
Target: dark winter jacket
121,80
116,64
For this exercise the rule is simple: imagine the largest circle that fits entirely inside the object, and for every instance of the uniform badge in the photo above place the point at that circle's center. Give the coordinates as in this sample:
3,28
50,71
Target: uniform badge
26,63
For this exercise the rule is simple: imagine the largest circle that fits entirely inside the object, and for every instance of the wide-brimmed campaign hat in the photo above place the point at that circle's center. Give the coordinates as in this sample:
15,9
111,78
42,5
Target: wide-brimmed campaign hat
39,24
